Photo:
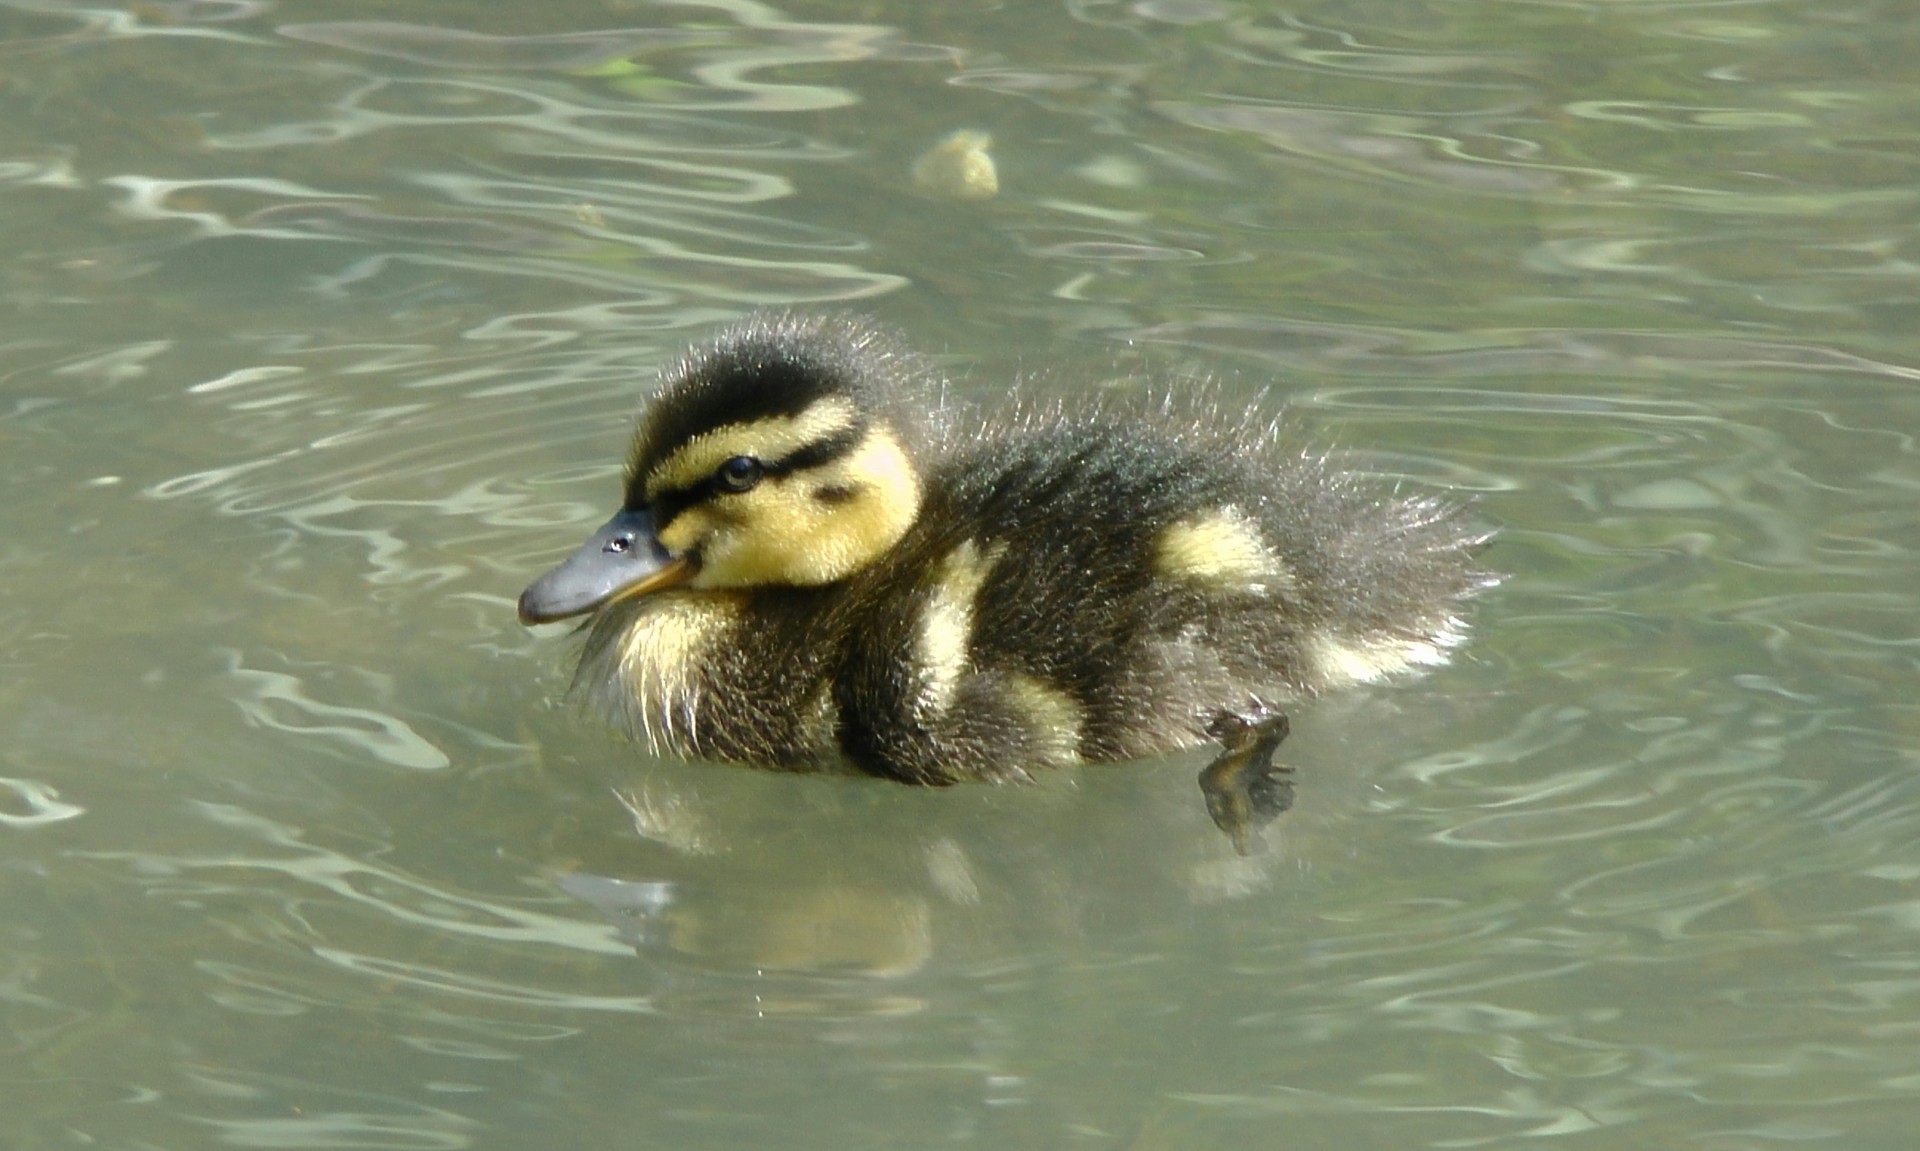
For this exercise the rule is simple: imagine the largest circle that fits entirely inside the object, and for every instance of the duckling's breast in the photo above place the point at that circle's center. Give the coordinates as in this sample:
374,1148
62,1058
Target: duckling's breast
718,675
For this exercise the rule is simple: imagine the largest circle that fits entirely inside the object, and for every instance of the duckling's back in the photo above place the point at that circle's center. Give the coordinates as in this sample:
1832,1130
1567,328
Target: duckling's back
1107,584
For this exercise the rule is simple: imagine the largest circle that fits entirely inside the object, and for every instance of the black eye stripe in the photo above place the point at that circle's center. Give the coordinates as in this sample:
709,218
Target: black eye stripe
819,451
669,504
666,506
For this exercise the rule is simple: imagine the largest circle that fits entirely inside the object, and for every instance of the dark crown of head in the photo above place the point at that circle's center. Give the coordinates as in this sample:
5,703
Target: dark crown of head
757,371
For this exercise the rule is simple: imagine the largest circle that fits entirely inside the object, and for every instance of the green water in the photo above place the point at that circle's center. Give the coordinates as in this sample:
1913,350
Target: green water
319,338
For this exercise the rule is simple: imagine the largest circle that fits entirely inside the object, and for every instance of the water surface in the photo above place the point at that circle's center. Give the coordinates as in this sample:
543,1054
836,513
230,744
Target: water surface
323,324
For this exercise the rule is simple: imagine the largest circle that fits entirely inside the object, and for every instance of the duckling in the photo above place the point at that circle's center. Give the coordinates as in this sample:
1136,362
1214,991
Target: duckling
819,562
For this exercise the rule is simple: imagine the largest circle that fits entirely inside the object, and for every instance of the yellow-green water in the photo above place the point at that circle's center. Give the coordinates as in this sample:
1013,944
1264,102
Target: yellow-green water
320,325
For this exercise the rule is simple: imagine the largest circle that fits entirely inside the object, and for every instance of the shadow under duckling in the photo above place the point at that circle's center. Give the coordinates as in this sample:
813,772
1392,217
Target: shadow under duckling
819,563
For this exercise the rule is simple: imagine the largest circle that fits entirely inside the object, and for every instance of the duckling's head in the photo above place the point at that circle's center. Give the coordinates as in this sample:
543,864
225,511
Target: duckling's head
780,454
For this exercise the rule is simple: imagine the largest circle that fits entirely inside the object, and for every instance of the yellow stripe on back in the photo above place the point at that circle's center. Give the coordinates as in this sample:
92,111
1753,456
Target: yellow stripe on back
1369,659
1222,549
1053,717
946,628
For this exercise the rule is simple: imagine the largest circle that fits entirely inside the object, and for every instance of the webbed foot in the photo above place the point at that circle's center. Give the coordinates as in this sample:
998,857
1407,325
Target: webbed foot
1244,789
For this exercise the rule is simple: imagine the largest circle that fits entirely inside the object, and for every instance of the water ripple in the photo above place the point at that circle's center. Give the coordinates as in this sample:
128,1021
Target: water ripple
365,883
462,984
454,48
275,700
328,335
41,801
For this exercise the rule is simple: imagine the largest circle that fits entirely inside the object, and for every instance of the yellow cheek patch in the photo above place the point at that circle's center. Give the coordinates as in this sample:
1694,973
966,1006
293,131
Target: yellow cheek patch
686,530
770,439
1223,549
783,532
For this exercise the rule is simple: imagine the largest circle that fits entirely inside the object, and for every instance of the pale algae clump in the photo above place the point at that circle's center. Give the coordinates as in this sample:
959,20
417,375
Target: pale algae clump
959,167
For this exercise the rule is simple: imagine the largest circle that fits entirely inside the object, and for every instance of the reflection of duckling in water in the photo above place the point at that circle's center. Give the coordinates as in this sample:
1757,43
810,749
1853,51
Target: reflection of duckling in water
808,569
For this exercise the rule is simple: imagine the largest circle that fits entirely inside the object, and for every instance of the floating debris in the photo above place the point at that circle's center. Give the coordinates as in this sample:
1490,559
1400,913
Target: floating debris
959,167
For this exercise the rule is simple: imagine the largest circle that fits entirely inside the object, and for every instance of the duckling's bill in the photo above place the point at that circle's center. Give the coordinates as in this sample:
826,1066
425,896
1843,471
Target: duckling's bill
623,558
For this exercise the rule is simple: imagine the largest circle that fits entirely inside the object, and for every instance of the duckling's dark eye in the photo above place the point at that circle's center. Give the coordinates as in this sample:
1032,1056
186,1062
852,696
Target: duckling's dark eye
738,474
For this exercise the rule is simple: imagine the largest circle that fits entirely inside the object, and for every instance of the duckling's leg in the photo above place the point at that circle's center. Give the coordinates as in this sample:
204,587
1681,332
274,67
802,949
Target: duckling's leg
1244,788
